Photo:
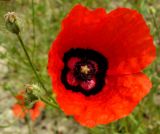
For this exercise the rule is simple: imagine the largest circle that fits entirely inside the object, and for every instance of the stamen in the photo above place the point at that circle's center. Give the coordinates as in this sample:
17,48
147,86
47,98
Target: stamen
85,69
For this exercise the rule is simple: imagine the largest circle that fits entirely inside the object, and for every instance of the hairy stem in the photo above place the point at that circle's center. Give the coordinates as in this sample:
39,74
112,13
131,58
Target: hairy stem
30,62
34,31
49,103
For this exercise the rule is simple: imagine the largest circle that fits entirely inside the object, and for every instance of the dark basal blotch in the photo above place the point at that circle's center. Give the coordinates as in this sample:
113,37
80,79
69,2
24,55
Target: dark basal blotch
84,71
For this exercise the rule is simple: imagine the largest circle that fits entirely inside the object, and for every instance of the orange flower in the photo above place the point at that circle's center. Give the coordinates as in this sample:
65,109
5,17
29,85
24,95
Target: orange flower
20,110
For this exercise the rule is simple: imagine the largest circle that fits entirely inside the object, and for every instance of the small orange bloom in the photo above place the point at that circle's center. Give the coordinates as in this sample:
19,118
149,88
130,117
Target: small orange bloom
20,110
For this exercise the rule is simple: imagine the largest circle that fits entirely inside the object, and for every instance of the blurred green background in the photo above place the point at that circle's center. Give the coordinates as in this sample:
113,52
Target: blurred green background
40,22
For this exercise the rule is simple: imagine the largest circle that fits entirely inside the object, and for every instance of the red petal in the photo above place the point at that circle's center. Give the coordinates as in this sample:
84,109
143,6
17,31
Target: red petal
35,112
20,97
122,36
117,100
72,34
39,104
70,102
129,45
19,111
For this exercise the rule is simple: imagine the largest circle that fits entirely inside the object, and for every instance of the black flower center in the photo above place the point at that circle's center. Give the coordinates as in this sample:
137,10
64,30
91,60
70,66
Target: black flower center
84,71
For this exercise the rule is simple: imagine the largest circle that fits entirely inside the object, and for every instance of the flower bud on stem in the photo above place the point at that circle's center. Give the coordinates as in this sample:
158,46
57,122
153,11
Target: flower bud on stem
12,26
11,22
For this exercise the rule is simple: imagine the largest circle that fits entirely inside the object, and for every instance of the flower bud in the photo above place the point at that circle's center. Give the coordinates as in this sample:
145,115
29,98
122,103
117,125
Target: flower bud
35,90
33,94
11,24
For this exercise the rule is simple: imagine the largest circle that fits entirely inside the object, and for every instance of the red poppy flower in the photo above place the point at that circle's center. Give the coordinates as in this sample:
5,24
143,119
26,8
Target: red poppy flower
96,61
20,110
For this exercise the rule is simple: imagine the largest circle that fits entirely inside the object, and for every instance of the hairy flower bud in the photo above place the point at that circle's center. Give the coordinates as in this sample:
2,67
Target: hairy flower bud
35,90
11,22
33,94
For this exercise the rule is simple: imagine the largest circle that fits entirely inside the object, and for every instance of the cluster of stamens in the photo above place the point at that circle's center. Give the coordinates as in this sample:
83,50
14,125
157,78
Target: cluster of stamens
84,70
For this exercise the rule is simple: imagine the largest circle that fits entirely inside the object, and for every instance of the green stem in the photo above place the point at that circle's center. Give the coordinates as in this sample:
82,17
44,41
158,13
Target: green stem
49,103
157,27
34,31
35,72
29,125
30,62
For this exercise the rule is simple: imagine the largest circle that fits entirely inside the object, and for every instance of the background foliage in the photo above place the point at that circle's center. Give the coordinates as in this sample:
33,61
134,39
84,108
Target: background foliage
40,23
